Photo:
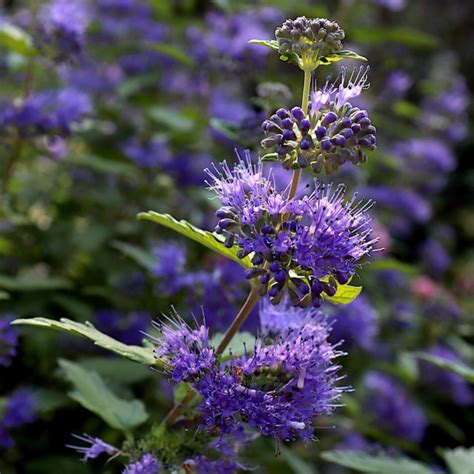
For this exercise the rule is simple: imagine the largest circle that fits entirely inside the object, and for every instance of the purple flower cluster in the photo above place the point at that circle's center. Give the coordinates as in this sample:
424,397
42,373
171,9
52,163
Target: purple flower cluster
152,154
128,328
20,408
303,245
52,112
60,32
332,133
8,340
278,387
393,408
147,464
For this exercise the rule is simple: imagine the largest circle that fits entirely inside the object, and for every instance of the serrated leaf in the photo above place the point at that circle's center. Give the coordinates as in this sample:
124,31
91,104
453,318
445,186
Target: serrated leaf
338,56
139,255
270,157
173,53
376,464
33,283
16,40
212,241
459,460
138,354
458,368
273,44
92,393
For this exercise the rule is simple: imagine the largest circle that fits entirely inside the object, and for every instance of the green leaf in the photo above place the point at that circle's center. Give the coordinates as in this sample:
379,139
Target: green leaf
173,53
88,331
140,256
212,241
93,394
458,368
229,129
270,157
377,464
33,283
4,295
338,56
459,460
407,36
104,165
298,465
273,44
239,342
16,40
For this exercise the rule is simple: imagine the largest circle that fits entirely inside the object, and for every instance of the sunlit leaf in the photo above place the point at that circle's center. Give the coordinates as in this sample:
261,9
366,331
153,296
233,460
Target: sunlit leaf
459,460
16,40
88,331
212,241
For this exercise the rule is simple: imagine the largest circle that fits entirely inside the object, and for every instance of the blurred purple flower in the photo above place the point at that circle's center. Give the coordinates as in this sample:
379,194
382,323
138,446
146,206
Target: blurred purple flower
393,408
445,382
126,327
147,155
8,340
435,258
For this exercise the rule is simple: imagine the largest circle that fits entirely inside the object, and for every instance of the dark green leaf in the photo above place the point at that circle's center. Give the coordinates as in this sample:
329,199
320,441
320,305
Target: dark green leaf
92,393
87,330
407,36
139,255
212,241
33,283
104,165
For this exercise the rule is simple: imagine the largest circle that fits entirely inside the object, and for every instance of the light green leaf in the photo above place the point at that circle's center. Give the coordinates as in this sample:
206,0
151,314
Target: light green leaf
173,53
459,460
376,464
345,294
33,283
338,56
16,40
4,295
273,44
140,256
88,331
212,241
238,344
459,368
92,393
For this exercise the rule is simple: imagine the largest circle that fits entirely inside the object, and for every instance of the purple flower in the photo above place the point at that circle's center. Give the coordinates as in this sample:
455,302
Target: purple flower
128,328
393,408
96,447
395,5
147,464
323,235
186,351
64,23
397,84
356,324
445,382
147,155
19,409
8,340
203,465
435,258
169,268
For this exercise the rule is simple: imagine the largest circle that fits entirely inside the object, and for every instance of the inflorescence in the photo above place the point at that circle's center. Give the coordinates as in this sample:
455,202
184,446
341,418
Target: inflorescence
332,133
303,246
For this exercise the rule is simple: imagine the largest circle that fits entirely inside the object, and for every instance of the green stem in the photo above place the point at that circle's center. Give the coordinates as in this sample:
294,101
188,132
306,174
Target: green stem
304,105
253,297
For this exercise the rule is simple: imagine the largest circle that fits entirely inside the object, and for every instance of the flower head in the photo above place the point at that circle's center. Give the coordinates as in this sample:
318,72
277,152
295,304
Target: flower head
147,464
8,340
186,351
96,447
305,246
330,134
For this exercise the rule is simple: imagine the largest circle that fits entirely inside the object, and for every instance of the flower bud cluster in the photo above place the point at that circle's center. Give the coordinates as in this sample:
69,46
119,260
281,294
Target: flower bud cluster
302,36
303,247
332,133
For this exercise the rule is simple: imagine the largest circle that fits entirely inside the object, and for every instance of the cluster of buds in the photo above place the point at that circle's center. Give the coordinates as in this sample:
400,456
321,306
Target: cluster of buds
332,133
307,37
